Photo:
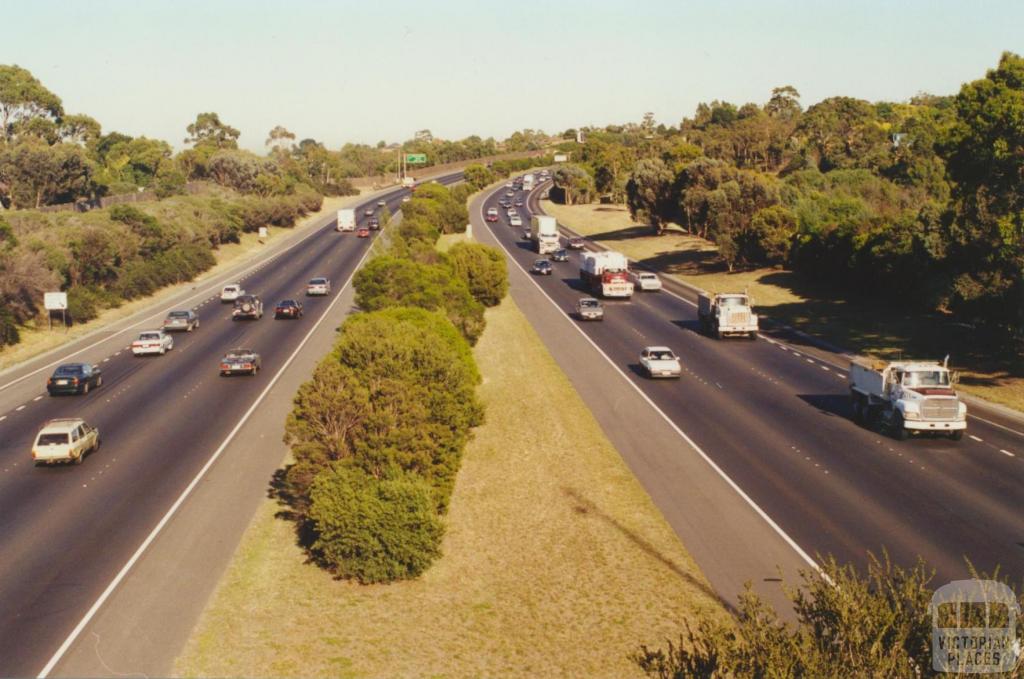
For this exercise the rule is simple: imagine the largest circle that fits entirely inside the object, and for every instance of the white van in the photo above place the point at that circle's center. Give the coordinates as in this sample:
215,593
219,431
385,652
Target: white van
231,292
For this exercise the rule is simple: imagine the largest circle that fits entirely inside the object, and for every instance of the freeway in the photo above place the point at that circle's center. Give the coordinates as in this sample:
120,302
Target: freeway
65,532
773,416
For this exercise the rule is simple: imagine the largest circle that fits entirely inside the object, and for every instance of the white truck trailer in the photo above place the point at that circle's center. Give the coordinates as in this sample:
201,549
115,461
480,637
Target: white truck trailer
722,314
907,397
607,274
346,219
544,233
527,182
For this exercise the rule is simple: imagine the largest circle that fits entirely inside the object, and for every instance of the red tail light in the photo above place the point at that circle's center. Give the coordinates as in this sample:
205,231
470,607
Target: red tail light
225,366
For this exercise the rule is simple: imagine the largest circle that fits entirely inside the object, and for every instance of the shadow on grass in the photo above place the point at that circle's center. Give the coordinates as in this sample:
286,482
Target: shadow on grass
583,505
305,535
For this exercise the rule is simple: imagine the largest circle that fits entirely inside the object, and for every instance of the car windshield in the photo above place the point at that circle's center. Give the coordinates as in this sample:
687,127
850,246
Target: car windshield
287,302
148,336
926,378
662,355
68,370
178,314
588,303
735,300
52,439
230,288
318,281
244,299
239,353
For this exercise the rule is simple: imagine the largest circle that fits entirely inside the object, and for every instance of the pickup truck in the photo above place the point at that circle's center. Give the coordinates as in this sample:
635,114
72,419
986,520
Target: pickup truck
240,361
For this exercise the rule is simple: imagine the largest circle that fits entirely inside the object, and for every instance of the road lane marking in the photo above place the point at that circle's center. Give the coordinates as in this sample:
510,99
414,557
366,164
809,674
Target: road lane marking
1004,451
2,418
825,367
38,398
91,613
693,444
975,438
809,360
19,408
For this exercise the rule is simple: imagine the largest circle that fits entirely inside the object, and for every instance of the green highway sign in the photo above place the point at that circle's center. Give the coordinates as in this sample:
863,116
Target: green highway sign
416,158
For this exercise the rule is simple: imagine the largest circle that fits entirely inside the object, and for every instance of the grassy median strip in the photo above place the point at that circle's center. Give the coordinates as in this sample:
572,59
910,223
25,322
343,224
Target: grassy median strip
556,562
864,327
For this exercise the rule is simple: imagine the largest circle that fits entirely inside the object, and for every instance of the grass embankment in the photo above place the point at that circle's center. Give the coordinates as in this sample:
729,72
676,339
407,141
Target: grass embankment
36,340
867,327
556,562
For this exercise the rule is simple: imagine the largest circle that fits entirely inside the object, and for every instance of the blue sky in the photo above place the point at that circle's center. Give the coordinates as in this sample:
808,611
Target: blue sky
381,69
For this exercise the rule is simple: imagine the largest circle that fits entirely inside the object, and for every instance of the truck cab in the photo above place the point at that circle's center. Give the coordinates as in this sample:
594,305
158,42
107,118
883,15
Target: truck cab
723,314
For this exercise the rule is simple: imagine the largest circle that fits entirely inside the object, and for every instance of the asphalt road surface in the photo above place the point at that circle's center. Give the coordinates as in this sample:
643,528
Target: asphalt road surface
773,415
66,531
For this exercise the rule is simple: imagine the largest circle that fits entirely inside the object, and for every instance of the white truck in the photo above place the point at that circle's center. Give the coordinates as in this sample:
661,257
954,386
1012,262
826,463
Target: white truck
722,314
527,182
346,219
907,397
606,273
409,182
544,233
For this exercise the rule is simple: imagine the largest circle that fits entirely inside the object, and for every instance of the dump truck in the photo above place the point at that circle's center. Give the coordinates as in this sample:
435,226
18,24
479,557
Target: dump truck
722,314
606,273
544,234
346,219
907,397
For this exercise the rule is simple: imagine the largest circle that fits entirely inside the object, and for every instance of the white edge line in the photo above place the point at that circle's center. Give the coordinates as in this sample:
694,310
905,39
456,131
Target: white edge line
1004,451
188,489
753,505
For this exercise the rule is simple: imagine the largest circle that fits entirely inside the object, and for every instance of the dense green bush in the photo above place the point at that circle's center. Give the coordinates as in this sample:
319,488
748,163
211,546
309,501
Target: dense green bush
8,328
374,530
388,281
483,269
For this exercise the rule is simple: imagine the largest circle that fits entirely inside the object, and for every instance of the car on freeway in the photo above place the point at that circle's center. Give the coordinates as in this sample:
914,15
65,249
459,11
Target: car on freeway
527,234
152,342
368,212
589,309
508,185
647,281
381,203
318,286
541,267
492,214
363,232
67,439
510,194
240,361
288,308
182,319
406,199
519,202
230,292
515,220
247,306
561,255
575,243
373,224
74,378
660,362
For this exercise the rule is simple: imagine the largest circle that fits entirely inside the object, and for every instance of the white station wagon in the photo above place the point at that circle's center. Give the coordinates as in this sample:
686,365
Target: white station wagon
231,292
65,440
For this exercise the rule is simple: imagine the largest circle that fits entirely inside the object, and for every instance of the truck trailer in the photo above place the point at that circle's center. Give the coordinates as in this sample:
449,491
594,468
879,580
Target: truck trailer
607,274
544,234
346,219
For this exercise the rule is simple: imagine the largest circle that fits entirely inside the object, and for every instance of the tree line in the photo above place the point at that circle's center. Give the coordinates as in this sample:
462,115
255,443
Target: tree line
377,434
918,203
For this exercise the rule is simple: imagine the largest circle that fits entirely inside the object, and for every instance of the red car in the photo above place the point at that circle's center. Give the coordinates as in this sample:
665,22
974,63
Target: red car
363,232
288,308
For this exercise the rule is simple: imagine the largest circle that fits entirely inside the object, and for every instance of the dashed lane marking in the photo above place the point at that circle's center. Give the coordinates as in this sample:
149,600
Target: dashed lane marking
825,367
107,359
975,438
38,398
1006,452
2,418
19,408
809,360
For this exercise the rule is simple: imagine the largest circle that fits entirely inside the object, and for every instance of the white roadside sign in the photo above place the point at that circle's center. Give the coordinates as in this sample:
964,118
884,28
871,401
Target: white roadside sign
55,301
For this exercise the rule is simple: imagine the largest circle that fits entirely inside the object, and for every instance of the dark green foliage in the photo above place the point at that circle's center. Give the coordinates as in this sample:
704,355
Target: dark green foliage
389,281
484,270
8,328
873,624
478,176
374,529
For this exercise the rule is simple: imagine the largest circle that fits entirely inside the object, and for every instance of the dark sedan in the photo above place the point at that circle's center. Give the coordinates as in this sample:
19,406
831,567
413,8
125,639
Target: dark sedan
288,308
541,267
74,378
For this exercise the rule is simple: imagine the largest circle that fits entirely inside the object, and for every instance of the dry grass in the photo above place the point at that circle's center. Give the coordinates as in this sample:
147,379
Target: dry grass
862,326
556,562
35,341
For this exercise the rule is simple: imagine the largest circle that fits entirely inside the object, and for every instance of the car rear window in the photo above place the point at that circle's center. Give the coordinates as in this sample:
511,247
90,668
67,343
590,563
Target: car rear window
68,370
179,314
52,439
149,336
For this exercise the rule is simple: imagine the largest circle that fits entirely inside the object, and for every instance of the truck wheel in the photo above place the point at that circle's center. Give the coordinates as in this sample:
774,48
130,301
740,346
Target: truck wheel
899,431
858,410
956,435
753,335
79,459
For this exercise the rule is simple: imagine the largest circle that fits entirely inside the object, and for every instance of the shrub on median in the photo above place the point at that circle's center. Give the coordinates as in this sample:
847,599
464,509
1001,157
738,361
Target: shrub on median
483,269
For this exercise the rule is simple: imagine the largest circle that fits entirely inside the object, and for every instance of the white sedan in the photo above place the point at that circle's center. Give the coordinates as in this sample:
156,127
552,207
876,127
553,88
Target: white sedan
647,281
660,362
152,342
